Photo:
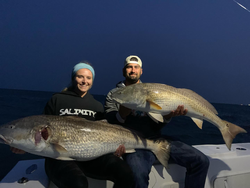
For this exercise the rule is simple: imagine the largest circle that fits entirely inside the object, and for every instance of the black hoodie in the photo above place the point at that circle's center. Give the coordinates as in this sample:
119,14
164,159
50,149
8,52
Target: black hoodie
68,103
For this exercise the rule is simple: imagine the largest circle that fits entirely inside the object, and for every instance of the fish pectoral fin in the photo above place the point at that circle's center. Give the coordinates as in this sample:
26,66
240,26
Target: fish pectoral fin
65,158
130,151
59,148
154,105
156,117
198,122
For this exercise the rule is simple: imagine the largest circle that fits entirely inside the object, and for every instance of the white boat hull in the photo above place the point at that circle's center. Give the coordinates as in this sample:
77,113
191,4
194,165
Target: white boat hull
228,169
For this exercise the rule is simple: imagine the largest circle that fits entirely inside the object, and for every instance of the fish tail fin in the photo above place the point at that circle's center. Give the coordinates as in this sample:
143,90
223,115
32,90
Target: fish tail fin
162,151
230,132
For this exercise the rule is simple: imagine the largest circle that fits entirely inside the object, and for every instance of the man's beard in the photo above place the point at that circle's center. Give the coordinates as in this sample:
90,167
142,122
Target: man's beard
133,80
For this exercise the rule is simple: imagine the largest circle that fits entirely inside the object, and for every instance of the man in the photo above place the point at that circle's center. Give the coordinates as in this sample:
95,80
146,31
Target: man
141,161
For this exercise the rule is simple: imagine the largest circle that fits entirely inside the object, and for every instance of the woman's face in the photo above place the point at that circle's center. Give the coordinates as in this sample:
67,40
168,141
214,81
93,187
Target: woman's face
83,81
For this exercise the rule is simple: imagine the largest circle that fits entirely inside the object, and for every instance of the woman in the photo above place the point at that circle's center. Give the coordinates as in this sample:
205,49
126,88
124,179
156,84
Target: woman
76,100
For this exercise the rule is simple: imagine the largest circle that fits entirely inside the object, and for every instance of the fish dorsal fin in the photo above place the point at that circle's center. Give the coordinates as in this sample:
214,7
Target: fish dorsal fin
153,105
156,117
65,158
59,148
198,122
200,99
130,151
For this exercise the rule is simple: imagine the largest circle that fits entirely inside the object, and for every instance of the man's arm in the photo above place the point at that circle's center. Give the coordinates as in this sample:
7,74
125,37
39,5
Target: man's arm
111,109
115,113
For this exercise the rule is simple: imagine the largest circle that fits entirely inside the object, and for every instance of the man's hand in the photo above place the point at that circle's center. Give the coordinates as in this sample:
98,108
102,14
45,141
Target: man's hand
180,111
120,151
17,151
124,111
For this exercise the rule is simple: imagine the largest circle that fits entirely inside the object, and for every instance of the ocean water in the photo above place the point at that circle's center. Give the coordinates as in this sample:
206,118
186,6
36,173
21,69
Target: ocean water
16,104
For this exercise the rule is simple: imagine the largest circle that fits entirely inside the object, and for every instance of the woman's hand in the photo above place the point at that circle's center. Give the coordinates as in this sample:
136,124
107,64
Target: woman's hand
124,111
17,151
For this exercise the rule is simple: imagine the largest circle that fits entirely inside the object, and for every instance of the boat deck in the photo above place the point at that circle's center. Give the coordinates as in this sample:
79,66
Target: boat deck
227,169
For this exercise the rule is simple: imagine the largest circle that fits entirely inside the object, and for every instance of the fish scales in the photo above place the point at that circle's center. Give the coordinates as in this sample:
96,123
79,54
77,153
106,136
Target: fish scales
85,139
171,98
75,138
160,99
163,92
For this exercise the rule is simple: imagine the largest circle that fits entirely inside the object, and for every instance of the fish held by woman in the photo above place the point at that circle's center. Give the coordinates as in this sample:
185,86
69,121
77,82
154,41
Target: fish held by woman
75,138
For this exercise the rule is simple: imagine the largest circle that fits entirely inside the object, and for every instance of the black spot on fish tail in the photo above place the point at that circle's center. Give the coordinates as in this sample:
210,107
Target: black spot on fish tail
229,133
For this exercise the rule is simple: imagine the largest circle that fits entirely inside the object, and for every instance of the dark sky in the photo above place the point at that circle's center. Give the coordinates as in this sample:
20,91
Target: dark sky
200,45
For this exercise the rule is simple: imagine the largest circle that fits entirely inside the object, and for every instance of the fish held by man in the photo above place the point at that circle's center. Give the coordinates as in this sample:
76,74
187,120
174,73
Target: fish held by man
160,99
75,138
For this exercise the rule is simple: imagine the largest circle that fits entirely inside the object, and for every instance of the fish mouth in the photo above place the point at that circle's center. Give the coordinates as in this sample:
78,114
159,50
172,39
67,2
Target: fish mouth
3,140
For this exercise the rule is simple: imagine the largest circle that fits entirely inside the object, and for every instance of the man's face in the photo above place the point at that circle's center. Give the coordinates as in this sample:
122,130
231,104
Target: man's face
132,72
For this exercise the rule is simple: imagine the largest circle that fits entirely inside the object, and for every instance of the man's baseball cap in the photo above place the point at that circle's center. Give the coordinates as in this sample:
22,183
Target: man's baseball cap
133,59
